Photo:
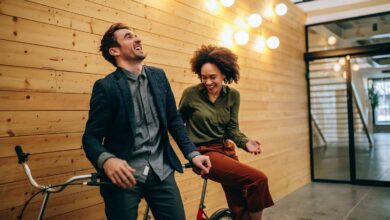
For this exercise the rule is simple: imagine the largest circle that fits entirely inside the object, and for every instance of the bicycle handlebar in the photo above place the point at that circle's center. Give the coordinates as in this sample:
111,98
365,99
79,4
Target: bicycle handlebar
187,165
93,177
22,157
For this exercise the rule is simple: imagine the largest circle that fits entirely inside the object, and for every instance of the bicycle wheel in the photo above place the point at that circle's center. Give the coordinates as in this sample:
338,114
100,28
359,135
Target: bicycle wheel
222,214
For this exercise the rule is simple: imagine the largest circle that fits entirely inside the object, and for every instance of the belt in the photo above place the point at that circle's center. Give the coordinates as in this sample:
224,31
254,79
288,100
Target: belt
220,141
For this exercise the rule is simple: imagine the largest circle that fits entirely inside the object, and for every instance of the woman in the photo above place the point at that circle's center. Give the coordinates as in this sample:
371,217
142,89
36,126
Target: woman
210,111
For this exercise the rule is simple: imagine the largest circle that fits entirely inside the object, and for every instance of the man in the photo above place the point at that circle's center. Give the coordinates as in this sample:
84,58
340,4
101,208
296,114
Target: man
126,136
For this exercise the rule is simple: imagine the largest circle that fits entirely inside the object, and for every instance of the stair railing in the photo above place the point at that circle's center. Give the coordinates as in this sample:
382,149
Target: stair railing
318,130
362,117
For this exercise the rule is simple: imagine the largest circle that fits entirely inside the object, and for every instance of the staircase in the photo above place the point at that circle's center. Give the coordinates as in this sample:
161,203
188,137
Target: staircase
328,96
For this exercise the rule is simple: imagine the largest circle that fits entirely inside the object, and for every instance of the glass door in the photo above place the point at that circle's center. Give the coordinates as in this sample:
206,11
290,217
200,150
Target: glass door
329,119
350,126
371,103
348,73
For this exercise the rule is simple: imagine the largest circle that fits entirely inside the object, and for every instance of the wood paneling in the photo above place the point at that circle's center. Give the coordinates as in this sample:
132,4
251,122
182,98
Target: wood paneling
49,60
20,123
14,101
40,143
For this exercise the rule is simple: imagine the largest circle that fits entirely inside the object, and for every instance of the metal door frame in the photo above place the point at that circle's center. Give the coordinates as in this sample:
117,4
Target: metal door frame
375,49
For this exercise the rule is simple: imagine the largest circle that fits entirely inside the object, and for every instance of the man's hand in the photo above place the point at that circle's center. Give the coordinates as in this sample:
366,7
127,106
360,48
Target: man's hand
119,172
254,147
203,163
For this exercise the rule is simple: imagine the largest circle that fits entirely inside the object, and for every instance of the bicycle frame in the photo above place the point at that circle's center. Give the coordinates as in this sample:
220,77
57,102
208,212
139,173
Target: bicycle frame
201,214
48,189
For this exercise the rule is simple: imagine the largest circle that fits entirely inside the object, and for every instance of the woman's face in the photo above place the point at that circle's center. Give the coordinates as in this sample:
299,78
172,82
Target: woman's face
211,77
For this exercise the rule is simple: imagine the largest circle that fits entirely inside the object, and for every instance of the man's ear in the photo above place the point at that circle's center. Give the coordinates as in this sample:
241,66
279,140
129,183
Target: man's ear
114,51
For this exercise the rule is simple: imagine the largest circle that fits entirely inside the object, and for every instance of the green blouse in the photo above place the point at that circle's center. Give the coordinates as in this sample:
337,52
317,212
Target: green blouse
207,121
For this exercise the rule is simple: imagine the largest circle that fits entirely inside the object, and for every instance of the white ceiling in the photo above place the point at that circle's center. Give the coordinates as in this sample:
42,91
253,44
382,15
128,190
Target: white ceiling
319,11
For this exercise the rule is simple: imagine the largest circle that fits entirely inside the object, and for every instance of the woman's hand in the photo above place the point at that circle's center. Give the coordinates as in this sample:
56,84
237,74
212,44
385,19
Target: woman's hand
253,146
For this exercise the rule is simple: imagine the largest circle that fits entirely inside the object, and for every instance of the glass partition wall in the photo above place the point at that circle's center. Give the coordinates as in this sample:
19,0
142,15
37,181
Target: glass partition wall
349,100
329,119
371,91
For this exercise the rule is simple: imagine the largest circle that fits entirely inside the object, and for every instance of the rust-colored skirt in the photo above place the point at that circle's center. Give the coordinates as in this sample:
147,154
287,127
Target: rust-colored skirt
246,188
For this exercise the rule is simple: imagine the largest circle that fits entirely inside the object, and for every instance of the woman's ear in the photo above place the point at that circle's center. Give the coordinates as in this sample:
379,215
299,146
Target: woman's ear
114,51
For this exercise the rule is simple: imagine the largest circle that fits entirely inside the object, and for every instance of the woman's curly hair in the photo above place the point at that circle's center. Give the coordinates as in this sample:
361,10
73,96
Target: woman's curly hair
223,58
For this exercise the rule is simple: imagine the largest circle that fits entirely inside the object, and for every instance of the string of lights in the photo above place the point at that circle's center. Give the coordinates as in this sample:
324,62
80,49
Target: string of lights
239,35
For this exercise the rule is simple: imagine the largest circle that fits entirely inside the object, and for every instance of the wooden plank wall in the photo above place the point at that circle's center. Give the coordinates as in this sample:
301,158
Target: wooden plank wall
49,61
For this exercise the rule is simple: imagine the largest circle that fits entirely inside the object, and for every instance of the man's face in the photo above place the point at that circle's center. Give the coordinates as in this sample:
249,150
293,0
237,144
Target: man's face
130,45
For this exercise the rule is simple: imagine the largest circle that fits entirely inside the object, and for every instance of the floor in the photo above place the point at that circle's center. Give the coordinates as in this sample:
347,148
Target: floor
330,201
374,163
332,162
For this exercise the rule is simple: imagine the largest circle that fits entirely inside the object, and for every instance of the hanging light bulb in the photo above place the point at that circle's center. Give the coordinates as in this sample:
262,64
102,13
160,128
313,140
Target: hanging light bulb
355,67
227,3
241,37
255,20
344,74
281,9
332,40
273,42
336,67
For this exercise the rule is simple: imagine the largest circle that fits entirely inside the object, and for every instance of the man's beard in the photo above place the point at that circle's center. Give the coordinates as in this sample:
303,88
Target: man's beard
140,57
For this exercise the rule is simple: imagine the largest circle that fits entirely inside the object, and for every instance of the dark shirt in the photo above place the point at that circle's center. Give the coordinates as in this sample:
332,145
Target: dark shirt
207,121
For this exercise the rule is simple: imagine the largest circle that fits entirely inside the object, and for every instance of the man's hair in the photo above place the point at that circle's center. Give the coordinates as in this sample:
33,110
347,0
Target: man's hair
223,58
109,40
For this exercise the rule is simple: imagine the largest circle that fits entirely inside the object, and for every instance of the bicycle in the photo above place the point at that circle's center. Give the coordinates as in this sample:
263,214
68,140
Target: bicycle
95,180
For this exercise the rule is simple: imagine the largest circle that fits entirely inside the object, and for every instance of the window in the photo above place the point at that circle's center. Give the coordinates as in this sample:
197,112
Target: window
382,111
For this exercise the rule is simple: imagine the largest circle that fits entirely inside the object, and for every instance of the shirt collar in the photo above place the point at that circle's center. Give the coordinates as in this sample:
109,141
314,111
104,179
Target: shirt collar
133,76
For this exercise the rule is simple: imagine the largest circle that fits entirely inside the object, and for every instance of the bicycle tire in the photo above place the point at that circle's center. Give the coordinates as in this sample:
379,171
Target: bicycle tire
222,214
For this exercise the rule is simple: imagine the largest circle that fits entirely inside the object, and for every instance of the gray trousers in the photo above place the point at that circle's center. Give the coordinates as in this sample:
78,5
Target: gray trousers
163,198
